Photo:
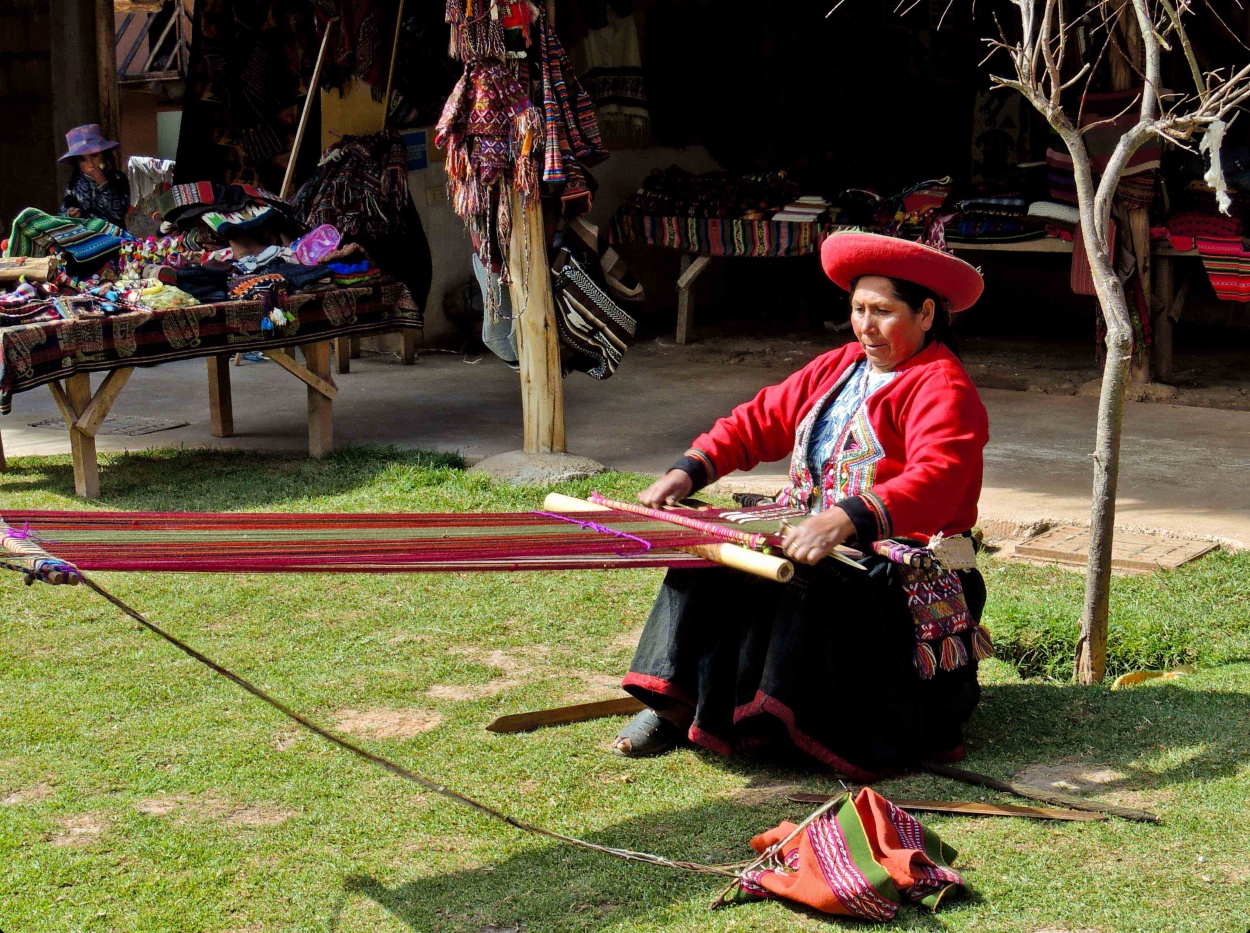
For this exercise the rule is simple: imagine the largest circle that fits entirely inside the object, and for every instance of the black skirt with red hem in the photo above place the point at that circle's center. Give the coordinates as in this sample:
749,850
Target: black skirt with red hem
822,664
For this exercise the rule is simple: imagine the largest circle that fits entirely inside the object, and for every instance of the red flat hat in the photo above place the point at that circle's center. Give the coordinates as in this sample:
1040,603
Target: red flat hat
847,256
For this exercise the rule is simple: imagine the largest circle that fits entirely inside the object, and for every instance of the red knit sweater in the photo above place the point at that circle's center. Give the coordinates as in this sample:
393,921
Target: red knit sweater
927,426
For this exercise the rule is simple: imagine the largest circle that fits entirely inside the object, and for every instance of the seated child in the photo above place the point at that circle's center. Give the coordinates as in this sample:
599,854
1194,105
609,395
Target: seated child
96,187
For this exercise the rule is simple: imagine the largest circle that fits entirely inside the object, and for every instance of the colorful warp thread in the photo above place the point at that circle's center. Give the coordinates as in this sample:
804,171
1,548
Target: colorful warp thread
862,858
720,532
22,552
595,526
361,543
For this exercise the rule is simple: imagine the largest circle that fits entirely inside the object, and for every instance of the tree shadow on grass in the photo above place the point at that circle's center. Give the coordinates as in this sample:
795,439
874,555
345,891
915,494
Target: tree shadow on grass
1202,730
559,888
206,479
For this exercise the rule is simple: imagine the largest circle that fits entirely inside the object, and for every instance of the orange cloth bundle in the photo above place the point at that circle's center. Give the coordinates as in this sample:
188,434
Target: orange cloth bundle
862,858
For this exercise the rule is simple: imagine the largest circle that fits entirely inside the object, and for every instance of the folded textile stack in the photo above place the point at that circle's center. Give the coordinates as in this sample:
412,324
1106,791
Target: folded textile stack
1195,223
675,192
808,209
84,244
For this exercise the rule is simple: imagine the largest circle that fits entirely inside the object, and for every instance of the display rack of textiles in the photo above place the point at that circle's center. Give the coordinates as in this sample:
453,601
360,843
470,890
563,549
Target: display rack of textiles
64,341
719,215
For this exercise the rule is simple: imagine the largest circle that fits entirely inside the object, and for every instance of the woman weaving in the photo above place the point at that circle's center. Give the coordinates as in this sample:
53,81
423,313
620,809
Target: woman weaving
865,671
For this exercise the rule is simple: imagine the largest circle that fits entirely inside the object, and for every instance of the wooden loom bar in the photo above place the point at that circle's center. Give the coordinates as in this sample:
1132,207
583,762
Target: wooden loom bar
767,566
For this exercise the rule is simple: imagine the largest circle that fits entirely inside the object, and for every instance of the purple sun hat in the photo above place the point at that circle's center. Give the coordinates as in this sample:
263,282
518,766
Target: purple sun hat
85,140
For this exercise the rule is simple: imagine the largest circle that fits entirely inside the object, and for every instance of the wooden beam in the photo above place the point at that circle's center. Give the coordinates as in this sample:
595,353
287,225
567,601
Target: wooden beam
220,401
110,114
343,354
319,382
691,268
76,96
409,356
68,414
98,408
580,712
320,403
538,346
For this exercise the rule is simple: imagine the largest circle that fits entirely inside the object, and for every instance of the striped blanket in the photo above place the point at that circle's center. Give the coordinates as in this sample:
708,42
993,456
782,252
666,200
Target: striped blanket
82,240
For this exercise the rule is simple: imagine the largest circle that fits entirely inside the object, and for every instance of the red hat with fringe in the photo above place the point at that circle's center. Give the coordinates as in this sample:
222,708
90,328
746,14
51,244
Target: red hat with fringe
847,256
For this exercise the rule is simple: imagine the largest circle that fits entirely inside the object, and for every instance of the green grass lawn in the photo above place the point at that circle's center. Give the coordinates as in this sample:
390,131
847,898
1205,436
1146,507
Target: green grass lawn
140,791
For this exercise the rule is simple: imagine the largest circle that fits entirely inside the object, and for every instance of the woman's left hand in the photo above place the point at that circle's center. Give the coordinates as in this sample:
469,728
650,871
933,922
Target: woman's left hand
815,539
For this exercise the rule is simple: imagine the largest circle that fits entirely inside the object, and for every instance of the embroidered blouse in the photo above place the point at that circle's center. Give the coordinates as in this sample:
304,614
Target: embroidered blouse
831,435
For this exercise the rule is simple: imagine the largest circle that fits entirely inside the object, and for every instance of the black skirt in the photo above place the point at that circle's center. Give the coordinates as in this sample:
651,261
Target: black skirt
824,662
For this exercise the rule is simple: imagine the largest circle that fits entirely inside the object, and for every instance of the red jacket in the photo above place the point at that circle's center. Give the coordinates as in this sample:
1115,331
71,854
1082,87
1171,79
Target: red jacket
918,466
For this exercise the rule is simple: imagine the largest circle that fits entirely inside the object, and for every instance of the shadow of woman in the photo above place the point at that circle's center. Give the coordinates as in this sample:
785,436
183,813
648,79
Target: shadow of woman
1132,738
1143,740
556,887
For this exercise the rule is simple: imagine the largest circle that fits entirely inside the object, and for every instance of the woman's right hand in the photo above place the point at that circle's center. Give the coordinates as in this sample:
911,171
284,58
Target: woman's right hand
669,489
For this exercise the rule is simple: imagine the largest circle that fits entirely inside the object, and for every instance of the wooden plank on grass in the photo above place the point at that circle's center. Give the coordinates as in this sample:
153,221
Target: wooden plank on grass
582,712
1068,544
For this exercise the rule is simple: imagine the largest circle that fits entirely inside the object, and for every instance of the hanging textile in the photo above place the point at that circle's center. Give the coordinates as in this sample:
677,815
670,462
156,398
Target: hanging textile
245,90
361,189
609,61
489,125
570,132
489,128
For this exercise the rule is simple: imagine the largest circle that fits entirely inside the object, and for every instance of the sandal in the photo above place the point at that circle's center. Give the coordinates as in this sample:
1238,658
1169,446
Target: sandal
645,735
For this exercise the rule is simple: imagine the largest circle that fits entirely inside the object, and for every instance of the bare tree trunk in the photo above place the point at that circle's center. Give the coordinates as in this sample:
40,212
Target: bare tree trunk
1091,647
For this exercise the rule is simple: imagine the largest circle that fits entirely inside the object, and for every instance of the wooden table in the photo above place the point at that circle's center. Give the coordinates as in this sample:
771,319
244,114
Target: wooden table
62,354
1167,300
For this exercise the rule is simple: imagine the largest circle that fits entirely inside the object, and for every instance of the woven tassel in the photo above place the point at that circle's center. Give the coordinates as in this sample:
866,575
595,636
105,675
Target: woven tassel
982,647
926,662
954,654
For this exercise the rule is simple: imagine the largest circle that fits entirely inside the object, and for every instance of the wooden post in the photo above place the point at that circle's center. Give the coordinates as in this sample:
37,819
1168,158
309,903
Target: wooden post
538,346
110,118
220,402
82,444
320,407
1139,231
343,354
1165,292
409,356
76,96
